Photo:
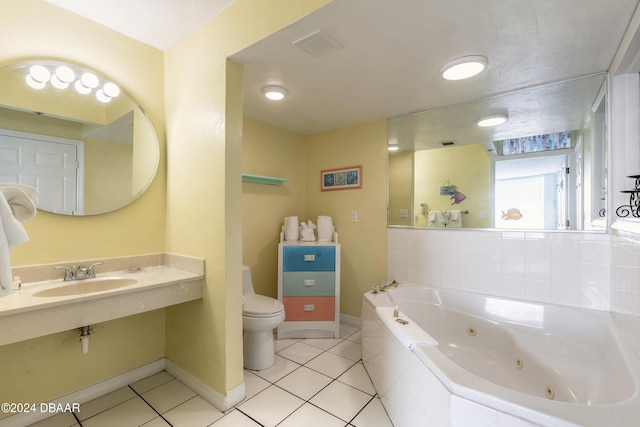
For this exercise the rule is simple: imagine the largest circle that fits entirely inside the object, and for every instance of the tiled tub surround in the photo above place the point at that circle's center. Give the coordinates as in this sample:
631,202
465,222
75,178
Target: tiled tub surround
161,280
581,269
493,354
569,268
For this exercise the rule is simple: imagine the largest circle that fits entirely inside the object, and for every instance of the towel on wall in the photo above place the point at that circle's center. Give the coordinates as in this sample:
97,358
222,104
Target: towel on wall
16,205
21,199
433,218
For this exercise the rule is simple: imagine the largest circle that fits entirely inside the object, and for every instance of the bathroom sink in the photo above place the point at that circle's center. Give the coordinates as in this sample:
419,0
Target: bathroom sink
86,286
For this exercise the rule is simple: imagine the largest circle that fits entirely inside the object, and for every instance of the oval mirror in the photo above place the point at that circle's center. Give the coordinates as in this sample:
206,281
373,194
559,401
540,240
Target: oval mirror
75,135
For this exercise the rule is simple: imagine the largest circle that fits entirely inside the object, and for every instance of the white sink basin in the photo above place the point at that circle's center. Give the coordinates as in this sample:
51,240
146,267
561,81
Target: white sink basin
86,286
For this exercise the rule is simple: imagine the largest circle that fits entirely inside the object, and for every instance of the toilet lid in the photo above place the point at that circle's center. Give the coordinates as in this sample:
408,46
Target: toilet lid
261,306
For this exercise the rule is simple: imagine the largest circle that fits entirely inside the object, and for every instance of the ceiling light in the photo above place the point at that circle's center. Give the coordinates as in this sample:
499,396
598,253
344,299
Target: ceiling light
274,93
82,88
65,74
33,83
490,121
102,97
393,147
464,67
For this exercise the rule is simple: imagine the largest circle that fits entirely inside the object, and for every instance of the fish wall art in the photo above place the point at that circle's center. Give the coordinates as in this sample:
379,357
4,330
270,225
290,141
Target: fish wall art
457,197
512,214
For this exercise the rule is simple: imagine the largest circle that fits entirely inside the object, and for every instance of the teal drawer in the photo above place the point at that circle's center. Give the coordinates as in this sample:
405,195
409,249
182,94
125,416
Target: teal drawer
309,258
308,283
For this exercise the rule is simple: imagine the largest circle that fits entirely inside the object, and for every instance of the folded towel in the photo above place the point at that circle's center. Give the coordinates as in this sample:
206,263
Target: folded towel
410,334
454,214
432,216
12,234
21,199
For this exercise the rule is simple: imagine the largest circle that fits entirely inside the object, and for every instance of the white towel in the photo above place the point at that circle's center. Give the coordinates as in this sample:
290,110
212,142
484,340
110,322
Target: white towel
410,335
12,234
455,214
21,199
433,218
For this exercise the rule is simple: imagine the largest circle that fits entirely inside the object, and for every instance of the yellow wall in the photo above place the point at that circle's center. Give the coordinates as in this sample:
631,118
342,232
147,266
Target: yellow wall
434,168
363,243
44,368
401,187
271,152
204,209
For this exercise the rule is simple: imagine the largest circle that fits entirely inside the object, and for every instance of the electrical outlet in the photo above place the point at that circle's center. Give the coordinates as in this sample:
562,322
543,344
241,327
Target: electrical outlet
354,216
404,213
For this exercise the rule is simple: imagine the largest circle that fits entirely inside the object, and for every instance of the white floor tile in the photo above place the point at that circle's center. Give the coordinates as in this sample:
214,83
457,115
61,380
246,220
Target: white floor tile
357,377
349,349
168,396
235,418
271,406
372,415
157,422
357,337
304,382
102,403
323,343
346,331
300,352
195,412
253,384
132,413
341,400
153,381
330,364
64,419
282,344
281,368
310,416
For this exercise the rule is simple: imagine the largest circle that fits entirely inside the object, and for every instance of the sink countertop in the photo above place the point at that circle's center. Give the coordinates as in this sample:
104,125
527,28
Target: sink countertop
26,316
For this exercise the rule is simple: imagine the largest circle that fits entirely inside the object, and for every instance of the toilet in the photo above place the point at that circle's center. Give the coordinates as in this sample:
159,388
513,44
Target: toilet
260,316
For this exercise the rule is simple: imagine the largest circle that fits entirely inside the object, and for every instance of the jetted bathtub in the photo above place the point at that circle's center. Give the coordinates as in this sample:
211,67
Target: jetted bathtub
490,361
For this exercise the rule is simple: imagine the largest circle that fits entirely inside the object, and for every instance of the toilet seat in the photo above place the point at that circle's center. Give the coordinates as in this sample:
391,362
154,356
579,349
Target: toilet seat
261,306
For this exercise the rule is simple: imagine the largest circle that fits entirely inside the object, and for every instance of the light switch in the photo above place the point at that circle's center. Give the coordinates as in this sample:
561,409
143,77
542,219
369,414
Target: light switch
354,216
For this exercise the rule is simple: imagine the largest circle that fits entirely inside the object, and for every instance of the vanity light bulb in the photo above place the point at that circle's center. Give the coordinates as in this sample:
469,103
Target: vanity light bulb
65,74
57,83
102,97
39,73
90,80
82,88
111,89
34,84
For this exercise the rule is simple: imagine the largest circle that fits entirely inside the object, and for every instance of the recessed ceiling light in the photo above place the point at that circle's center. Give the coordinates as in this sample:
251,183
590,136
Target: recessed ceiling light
490,121
274,93
464,67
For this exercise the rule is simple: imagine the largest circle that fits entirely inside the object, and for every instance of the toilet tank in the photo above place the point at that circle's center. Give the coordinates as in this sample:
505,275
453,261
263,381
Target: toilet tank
247,285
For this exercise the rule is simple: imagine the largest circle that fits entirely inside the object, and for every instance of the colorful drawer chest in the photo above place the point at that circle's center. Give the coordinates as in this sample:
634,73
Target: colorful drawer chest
309,288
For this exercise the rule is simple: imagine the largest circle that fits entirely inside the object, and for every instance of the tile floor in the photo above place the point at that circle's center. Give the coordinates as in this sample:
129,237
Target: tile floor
315,382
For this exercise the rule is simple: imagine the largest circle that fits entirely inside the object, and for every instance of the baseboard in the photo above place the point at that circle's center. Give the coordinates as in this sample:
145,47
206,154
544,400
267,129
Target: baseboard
220,401
86,394
354,321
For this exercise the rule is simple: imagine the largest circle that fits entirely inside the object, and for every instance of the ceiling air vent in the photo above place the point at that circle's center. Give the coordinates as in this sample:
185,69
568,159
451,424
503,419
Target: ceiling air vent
447,143
318,44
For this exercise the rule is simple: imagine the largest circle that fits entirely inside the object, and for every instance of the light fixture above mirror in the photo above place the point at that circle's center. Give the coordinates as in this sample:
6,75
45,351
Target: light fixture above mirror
96,153
62,76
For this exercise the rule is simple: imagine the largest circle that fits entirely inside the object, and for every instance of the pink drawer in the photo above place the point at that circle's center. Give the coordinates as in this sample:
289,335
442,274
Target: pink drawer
309,308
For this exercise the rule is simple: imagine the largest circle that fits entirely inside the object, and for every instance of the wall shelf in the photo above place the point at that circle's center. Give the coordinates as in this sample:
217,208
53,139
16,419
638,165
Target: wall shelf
259,179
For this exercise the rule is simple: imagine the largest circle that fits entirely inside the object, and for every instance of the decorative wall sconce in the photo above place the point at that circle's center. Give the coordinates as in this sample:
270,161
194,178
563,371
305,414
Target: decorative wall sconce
633,208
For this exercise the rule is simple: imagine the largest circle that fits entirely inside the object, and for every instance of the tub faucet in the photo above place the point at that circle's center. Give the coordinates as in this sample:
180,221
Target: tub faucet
387,284
81,273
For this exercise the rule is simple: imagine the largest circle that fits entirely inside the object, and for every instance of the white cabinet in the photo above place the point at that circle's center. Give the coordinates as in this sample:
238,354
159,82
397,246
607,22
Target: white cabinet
309,289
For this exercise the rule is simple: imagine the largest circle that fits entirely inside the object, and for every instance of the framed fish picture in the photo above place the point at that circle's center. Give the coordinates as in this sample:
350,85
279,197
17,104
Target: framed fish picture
341,178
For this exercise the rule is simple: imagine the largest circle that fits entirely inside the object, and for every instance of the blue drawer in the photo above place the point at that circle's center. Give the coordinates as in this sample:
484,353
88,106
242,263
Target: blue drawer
309,258
308,283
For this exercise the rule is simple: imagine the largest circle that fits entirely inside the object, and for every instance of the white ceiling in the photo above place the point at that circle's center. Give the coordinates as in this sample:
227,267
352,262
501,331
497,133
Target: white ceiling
391,52
158,23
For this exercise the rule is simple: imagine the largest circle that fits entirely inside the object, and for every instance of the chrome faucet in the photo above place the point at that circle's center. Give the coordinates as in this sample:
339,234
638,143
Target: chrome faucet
384,286
81,273
388,284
